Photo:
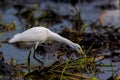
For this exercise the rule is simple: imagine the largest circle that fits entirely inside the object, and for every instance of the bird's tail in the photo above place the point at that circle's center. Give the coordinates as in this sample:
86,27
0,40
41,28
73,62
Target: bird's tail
14,39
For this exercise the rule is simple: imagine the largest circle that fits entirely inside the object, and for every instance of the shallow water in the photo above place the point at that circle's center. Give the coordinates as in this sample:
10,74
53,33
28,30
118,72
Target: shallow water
88,13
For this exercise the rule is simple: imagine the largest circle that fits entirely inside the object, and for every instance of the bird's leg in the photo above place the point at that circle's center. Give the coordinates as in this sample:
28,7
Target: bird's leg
29,56
35,52
37,58
29,59
37,43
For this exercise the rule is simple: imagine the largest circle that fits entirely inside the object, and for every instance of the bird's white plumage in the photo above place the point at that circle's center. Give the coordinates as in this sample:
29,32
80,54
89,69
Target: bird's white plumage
33,34
42,34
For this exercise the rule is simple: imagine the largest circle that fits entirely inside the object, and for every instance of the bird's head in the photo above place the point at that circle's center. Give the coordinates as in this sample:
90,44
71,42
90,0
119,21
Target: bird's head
79,49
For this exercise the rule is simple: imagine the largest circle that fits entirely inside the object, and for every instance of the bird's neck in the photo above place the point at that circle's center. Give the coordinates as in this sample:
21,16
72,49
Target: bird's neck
61,39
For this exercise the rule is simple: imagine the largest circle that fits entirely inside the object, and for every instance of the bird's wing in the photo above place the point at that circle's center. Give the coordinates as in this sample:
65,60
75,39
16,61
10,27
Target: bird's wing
34,34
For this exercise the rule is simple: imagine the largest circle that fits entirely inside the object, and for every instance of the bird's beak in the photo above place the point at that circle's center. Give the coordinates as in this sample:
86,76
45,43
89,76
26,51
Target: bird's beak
81,51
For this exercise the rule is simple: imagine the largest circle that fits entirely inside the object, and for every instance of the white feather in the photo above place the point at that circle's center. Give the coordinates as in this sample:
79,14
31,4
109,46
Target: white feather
42,34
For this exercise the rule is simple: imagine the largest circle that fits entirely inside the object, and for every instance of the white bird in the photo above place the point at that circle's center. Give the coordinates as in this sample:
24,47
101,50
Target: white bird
40,35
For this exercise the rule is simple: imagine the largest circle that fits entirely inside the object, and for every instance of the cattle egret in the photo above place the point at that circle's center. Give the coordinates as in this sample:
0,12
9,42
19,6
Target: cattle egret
40,35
